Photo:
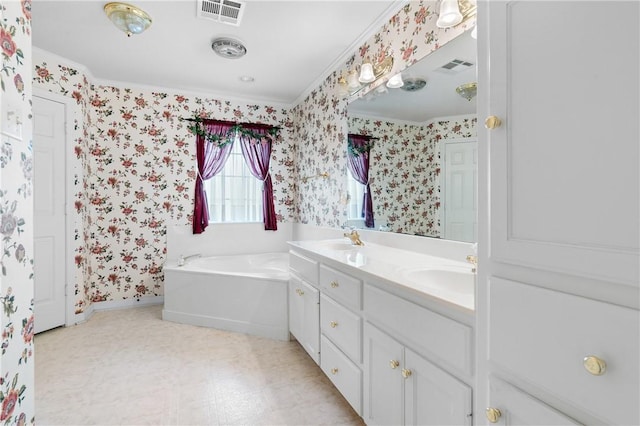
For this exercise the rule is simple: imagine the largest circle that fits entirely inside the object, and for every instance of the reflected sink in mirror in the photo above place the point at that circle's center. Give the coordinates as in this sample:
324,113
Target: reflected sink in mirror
337,245
449,278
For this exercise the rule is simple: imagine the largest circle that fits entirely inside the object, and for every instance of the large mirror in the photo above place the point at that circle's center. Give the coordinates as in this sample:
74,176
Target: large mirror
422,166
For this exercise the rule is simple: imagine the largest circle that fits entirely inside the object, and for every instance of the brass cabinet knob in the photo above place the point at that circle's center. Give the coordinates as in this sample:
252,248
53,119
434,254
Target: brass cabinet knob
333,324
594,365
406,373
493,414
300,292
334,371
492,122
394,364
334,284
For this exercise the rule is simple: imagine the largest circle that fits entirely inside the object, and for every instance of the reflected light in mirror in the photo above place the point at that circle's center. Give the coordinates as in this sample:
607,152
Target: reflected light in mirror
395,82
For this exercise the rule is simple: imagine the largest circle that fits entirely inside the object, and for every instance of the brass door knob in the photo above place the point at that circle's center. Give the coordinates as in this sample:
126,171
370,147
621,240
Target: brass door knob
334,371
334,284
406,373
493,414
394,364
492,122
333,324
594,365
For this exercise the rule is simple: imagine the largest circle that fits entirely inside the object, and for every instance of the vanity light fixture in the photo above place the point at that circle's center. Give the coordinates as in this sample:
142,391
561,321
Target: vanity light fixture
395,82
362,75
128,18
453,12
467,90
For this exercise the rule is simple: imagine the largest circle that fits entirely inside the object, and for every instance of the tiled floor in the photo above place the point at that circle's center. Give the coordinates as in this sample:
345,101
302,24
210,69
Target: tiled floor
129,367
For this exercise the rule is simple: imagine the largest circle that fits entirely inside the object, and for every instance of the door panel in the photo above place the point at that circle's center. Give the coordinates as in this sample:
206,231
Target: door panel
49,215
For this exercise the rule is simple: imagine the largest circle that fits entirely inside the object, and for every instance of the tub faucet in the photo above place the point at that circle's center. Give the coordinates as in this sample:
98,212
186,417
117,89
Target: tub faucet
472,259
182,259
355,238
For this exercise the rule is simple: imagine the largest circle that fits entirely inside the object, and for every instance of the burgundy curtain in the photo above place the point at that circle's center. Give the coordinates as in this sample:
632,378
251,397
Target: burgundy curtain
358,164
255,142
211,158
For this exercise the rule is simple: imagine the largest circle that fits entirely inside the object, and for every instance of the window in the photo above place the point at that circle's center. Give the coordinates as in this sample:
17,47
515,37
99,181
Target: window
356,195
234,195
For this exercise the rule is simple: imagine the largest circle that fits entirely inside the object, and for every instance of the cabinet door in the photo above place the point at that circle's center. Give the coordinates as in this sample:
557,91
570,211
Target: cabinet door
519,408
383,382
564,163
304,316
432,396
311,324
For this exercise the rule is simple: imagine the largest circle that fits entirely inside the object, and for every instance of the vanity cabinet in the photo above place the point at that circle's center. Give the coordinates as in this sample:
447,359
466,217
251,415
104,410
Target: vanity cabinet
304,304
403,388
559,258
402,383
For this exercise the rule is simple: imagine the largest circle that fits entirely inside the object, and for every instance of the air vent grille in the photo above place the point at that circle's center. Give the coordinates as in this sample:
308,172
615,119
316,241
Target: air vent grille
225,11
455,66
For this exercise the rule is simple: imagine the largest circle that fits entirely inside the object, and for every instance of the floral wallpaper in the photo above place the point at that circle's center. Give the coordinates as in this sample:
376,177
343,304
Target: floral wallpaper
16,216
320,121
404,170
133,160
135,171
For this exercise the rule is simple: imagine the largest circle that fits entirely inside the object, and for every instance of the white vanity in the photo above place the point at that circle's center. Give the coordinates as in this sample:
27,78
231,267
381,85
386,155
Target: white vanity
391,328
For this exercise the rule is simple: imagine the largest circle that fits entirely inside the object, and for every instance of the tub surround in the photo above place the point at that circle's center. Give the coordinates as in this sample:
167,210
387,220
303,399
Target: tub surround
239,293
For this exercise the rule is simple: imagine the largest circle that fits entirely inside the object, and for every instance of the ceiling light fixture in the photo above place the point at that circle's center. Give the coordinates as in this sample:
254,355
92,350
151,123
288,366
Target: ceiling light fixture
128,18
467,90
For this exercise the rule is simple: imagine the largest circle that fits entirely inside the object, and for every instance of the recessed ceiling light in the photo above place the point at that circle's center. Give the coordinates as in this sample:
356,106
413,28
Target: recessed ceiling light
247,79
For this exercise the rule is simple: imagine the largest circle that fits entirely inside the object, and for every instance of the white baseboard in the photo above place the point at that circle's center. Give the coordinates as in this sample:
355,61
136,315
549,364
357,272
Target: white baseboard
127,303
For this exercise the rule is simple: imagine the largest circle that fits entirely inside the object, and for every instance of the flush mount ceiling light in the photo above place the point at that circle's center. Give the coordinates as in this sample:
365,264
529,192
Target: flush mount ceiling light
467,90
453,12
127,18
228,48
413,84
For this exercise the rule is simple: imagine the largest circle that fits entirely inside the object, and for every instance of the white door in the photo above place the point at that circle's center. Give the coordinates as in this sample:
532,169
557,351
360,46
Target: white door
460,203
49,203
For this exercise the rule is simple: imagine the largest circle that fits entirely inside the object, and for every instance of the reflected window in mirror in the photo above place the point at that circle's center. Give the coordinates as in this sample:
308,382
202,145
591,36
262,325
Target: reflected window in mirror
355,216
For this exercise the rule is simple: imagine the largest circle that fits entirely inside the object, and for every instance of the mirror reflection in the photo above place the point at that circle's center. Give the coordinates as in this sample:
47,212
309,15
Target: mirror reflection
422,162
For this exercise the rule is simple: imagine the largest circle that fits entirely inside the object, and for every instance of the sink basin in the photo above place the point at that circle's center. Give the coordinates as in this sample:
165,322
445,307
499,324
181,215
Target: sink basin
336,245
450,279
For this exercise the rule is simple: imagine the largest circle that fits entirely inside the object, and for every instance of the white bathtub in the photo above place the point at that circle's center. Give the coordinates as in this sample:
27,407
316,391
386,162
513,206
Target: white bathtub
241,293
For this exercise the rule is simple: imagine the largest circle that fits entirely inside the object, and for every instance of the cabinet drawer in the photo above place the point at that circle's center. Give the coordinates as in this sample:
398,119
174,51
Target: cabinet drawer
437,337
342,287
543,336
341,326
305,268
519,408
344,374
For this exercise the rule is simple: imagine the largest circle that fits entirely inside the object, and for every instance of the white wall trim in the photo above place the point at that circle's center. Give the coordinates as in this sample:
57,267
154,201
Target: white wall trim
70,108
111,305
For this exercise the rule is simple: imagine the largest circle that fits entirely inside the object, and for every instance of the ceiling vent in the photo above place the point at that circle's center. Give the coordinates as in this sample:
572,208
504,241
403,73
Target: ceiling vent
225,11
455,66
228,48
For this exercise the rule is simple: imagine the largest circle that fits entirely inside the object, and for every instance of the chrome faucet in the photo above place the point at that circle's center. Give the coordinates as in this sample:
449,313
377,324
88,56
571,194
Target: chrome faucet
182,259
472,259
354,237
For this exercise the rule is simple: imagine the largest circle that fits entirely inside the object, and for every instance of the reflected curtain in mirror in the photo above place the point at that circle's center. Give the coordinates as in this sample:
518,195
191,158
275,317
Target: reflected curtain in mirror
256,141
211,156
359,147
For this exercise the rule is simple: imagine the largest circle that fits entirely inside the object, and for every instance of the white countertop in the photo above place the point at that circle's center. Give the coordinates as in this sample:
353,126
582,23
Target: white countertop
446,280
